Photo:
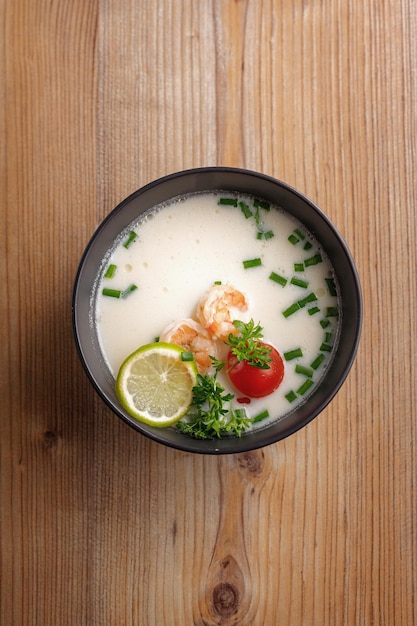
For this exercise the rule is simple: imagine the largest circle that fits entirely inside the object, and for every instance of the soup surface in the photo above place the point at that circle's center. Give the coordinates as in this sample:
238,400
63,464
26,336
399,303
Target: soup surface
158,269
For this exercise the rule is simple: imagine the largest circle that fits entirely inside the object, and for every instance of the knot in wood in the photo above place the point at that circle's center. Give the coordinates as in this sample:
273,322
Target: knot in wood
50,439
225,599
251,462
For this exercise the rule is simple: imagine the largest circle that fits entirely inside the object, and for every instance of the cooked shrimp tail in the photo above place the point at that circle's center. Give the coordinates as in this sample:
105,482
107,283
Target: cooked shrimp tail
219,307
190,335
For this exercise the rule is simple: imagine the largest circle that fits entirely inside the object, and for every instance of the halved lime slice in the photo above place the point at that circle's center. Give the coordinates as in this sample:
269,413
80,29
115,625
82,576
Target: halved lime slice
155,384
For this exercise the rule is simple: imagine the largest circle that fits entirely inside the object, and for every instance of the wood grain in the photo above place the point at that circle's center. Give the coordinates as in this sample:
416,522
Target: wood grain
99,525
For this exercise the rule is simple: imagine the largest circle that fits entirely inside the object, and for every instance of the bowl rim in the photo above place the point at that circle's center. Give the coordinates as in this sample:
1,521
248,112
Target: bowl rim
261,437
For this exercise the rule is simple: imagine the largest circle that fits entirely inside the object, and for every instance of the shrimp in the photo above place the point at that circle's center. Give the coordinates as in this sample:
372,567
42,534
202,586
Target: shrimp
190,335
217,309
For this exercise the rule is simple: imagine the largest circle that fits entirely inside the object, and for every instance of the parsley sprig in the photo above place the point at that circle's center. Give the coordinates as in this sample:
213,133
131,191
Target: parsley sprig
247,345
211,413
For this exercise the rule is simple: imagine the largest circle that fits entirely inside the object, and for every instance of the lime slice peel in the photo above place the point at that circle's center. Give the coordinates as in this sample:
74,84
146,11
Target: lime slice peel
154,385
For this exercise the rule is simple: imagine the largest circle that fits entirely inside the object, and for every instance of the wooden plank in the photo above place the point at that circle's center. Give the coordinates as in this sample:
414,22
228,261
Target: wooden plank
99,525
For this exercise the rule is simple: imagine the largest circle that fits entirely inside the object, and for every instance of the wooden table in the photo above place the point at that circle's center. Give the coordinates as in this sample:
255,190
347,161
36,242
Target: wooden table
99,525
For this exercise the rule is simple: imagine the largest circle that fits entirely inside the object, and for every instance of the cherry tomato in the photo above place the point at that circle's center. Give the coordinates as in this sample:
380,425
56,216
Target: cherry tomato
254,381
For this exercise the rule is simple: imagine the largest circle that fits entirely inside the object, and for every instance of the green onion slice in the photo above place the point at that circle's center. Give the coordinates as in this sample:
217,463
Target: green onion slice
291,309
305,386
310,298
331,311
305,371
131,238
228,201
314,260
261,416
293,354
112,293
252,263
291,396
246,210
325,347
262,204
129,290
300,304
277,278
265,234
317,361
331,286
299,234
298,282
110,271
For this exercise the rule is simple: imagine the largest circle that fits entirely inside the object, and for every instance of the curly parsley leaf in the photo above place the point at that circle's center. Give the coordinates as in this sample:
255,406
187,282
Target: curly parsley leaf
211,413
247,345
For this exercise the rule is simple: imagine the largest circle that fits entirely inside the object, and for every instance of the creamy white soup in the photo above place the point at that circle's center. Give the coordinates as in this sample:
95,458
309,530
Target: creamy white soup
158,269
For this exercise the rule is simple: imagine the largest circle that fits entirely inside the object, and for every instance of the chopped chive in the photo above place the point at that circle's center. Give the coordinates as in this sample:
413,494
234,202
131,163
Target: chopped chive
305,386
327,337
293,354
308,245
331,286
291,396
260,416
261,204
112,293
228,201
110,271
293,239
156,340
130,239
310,298
300,304
317,361
325,347
299,234
265,235
298,282
314,260
281,280
187,356
291,309
324,323
331,311
129,290
217,282
305,371
245,208
298,267
252,263
313,310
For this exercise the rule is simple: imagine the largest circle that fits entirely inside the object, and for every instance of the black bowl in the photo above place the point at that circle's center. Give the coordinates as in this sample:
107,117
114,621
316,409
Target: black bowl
243,181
